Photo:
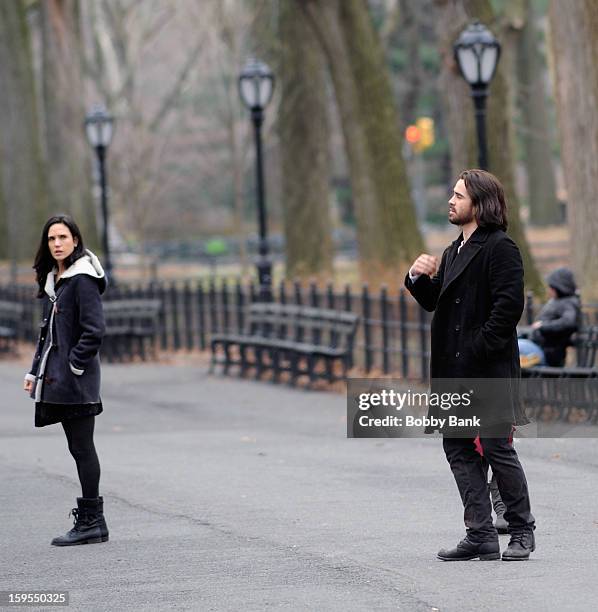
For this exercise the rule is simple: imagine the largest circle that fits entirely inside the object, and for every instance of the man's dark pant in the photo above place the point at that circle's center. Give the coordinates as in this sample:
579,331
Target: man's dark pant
471,477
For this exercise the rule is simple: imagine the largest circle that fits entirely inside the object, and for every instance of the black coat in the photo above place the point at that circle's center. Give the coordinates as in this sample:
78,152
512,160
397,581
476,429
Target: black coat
477,298
71,338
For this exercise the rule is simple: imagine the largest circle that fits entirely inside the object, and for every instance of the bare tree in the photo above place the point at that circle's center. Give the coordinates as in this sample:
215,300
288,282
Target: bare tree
130,62
304,143
63,105
528,71
23,176
575,56
388,235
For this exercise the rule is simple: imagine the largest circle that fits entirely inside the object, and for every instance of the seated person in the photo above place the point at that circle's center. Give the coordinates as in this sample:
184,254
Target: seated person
556,322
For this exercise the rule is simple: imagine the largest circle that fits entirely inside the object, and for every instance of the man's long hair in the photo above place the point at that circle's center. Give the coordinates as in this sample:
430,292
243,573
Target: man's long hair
488,197
44,262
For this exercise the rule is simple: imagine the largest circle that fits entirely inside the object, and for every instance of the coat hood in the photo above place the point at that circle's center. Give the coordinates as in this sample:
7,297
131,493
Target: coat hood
563,280
88,264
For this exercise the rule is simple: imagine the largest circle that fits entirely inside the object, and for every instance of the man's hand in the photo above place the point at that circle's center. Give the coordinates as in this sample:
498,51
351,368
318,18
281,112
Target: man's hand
28,385
424,264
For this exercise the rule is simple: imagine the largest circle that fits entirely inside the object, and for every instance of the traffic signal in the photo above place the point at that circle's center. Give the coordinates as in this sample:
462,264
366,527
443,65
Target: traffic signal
426,128
413,135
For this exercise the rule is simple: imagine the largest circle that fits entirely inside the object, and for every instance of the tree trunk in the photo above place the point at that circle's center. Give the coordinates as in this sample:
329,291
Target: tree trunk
412,77
531,74
388,235
399,240
66,145
449,19
575,55
23,178
304,142
323,17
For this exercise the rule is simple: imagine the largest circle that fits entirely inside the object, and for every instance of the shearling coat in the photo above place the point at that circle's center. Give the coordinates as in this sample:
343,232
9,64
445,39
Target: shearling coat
477,297
66,366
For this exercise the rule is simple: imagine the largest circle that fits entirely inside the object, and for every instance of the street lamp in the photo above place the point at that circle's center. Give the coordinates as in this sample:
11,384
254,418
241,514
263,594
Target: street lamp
256,85
477,53
99,128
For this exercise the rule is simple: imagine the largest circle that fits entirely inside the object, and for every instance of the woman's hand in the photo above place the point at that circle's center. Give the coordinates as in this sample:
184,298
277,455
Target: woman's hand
27,386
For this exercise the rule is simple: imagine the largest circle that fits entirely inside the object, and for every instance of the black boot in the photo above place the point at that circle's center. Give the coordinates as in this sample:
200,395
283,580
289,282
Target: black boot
523,542
467,549
499,507
90,526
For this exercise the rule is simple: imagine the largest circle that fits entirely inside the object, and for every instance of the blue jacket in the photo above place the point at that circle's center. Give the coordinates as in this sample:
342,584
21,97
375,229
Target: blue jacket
66,365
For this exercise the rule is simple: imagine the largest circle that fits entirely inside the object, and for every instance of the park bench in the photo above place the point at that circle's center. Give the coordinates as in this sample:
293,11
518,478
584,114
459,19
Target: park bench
567,388
131,328
11,316
295,339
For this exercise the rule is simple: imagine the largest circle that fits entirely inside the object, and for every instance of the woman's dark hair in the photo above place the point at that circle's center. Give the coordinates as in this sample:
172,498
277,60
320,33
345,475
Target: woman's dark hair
488,197
44,262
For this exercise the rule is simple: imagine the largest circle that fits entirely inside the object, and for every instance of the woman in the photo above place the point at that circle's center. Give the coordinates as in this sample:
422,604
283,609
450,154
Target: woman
64,379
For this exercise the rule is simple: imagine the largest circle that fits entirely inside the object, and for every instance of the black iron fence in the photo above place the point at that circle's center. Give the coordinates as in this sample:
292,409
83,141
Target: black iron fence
393,334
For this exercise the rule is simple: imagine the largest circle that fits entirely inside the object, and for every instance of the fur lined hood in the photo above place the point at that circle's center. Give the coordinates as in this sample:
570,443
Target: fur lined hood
88,264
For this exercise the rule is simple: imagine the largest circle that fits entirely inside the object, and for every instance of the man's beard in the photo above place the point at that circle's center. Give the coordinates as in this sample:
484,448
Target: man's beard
462,219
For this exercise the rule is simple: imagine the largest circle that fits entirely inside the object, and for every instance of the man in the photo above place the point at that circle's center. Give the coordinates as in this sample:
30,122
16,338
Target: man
477,297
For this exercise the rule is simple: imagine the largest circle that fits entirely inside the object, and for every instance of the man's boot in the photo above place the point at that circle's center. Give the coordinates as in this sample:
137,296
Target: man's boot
89,525
468,549
499,507
523,542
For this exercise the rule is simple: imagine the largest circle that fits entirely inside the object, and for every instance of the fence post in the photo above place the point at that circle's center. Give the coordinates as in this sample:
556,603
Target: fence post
330,297
348,298
348,306
314,302
201,315
161,295
282,292
239,304
224,301
297,291
384,323
314,298
403,333
188,310
212,307
176,329
367,332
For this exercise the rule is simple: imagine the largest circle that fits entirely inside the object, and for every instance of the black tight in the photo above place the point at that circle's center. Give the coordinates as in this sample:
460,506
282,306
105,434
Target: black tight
79,435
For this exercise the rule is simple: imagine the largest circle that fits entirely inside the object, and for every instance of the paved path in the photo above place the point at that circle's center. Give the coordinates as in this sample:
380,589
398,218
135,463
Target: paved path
224,494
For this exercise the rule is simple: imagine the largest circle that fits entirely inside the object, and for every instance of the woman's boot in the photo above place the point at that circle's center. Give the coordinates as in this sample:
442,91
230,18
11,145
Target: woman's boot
90,526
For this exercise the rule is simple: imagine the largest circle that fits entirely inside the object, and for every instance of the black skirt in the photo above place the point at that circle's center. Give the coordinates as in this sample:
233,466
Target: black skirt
48,414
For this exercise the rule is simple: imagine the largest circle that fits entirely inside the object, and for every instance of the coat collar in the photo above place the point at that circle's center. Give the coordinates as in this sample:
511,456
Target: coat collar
456,265
88,264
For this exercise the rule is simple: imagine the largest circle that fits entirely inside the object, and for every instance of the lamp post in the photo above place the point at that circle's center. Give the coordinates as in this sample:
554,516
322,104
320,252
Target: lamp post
477,53
256,85
99,128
